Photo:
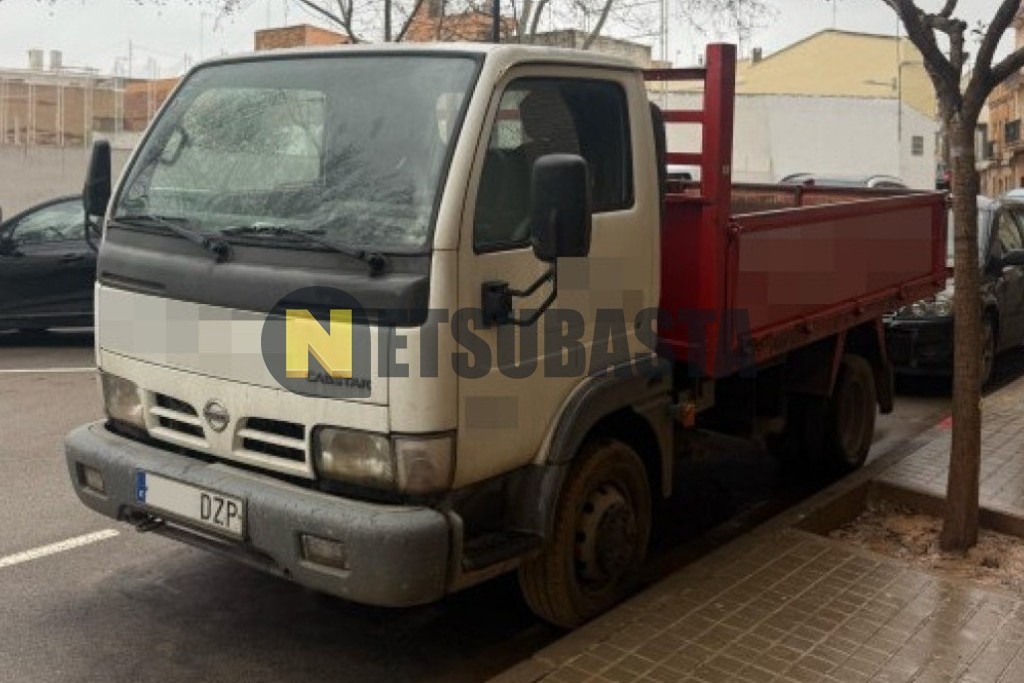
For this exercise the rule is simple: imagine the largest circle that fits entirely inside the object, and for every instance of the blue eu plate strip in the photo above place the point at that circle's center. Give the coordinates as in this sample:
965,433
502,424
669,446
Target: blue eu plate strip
140,487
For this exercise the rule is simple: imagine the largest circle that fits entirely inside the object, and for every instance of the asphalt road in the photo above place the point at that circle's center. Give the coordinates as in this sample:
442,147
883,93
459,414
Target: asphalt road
131,607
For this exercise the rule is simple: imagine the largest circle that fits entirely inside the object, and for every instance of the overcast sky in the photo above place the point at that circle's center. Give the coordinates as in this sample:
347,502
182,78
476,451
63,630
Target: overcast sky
97,33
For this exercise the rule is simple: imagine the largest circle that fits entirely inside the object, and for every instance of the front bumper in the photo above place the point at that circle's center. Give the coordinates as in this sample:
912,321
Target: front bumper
398,556
922,346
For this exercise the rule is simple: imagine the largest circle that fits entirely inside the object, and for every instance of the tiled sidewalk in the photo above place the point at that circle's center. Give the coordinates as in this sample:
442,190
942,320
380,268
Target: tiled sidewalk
785,605
1002,465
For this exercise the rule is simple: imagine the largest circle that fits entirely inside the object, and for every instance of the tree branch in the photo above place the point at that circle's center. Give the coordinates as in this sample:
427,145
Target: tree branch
921,31
408,21
322,11
541,5
524,17
602,18
1006,68
996,30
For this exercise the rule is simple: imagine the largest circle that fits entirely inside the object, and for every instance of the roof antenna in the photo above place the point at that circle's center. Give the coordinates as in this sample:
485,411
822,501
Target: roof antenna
496,22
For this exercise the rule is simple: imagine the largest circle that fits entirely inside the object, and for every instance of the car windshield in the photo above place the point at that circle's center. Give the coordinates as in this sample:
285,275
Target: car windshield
350,147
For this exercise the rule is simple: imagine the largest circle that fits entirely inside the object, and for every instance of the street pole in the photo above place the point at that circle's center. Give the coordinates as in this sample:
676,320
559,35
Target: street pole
496,22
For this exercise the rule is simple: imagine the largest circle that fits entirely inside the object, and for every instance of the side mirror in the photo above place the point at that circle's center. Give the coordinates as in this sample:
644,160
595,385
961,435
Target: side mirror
560,211
1013,259
96,194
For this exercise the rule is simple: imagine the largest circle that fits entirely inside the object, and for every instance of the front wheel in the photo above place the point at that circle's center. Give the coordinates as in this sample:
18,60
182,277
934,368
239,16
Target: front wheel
599,542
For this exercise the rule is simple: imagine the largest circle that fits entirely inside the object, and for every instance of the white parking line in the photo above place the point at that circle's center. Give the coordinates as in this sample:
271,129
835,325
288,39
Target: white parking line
33,371
55,548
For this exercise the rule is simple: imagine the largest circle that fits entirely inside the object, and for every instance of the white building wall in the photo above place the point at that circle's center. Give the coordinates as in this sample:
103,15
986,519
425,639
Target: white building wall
777,135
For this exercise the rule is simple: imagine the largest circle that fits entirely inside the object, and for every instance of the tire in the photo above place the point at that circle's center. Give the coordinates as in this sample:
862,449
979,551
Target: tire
988,350
599,542
800,443
850,419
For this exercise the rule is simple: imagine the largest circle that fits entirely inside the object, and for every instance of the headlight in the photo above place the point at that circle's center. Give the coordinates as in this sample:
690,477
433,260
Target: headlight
405,464
355,457
940,307
122,400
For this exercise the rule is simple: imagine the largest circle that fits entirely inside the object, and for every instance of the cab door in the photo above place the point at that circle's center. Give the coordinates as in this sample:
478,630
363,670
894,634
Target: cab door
515,379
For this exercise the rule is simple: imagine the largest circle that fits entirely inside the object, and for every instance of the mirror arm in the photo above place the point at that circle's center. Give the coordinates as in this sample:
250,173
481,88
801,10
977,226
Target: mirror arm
549,276
497,300
527,322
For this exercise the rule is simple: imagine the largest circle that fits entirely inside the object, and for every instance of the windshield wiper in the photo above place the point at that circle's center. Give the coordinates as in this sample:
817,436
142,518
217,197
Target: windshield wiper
182,228
374,259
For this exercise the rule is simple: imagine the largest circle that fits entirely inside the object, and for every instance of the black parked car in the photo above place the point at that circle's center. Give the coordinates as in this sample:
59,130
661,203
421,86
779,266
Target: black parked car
920,336
47,268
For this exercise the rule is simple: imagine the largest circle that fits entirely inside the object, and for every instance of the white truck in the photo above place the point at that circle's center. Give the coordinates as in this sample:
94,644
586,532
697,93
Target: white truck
391,321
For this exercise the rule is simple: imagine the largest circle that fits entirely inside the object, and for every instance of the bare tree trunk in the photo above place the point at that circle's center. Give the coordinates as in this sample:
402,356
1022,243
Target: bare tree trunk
387,21
960,529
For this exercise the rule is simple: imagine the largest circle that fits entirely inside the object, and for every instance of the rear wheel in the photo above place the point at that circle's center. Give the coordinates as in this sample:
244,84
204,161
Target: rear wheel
599,542
850,419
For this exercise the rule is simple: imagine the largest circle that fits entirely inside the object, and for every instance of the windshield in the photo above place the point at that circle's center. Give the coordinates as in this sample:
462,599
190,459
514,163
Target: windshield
352,148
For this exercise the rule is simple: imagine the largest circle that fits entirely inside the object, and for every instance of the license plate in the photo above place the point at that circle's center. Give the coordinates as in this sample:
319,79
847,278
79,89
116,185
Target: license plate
208,509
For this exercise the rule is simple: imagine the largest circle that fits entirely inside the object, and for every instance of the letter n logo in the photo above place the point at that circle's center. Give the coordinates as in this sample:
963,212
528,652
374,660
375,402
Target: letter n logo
305,336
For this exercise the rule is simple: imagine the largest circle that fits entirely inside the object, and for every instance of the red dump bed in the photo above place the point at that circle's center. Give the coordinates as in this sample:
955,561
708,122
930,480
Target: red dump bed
752,272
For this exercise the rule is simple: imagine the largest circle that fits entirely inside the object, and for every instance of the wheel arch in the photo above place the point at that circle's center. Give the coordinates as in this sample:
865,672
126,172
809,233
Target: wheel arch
634,409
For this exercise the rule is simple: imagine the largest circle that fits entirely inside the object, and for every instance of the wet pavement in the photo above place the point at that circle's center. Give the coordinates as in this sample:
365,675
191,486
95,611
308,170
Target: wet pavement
783,604
134,607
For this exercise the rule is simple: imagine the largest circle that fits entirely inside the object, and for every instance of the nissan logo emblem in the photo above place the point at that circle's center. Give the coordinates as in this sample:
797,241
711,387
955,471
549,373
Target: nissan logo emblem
216,416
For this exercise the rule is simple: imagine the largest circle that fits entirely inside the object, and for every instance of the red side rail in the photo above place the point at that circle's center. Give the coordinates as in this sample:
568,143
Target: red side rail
800,275
794,265
695,233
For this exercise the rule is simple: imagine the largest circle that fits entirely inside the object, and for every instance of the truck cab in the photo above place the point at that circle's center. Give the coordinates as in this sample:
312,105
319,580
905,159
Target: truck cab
385,321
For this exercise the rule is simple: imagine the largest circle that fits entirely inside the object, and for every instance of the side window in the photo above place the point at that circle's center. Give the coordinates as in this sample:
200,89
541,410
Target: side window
56,223
541,116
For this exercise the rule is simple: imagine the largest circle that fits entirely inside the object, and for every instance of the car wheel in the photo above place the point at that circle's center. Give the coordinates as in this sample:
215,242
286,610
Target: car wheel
599,542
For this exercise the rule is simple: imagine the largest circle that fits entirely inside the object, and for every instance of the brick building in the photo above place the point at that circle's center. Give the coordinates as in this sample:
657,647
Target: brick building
300,35
431,24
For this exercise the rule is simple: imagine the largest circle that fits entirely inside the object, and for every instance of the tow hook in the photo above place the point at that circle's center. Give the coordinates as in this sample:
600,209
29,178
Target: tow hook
147,523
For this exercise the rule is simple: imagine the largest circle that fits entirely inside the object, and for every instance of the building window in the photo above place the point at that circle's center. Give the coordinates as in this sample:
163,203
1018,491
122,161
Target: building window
917,145
1013,131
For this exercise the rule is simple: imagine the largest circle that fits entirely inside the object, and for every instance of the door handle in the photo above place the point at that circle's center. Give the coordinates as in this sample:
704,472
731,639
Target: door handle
71,258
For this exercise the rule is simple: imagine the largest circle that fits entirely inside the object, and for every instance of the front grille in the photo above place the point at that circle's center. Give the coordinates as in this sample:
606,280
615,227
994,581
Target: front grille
257,441
276,438
176,416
